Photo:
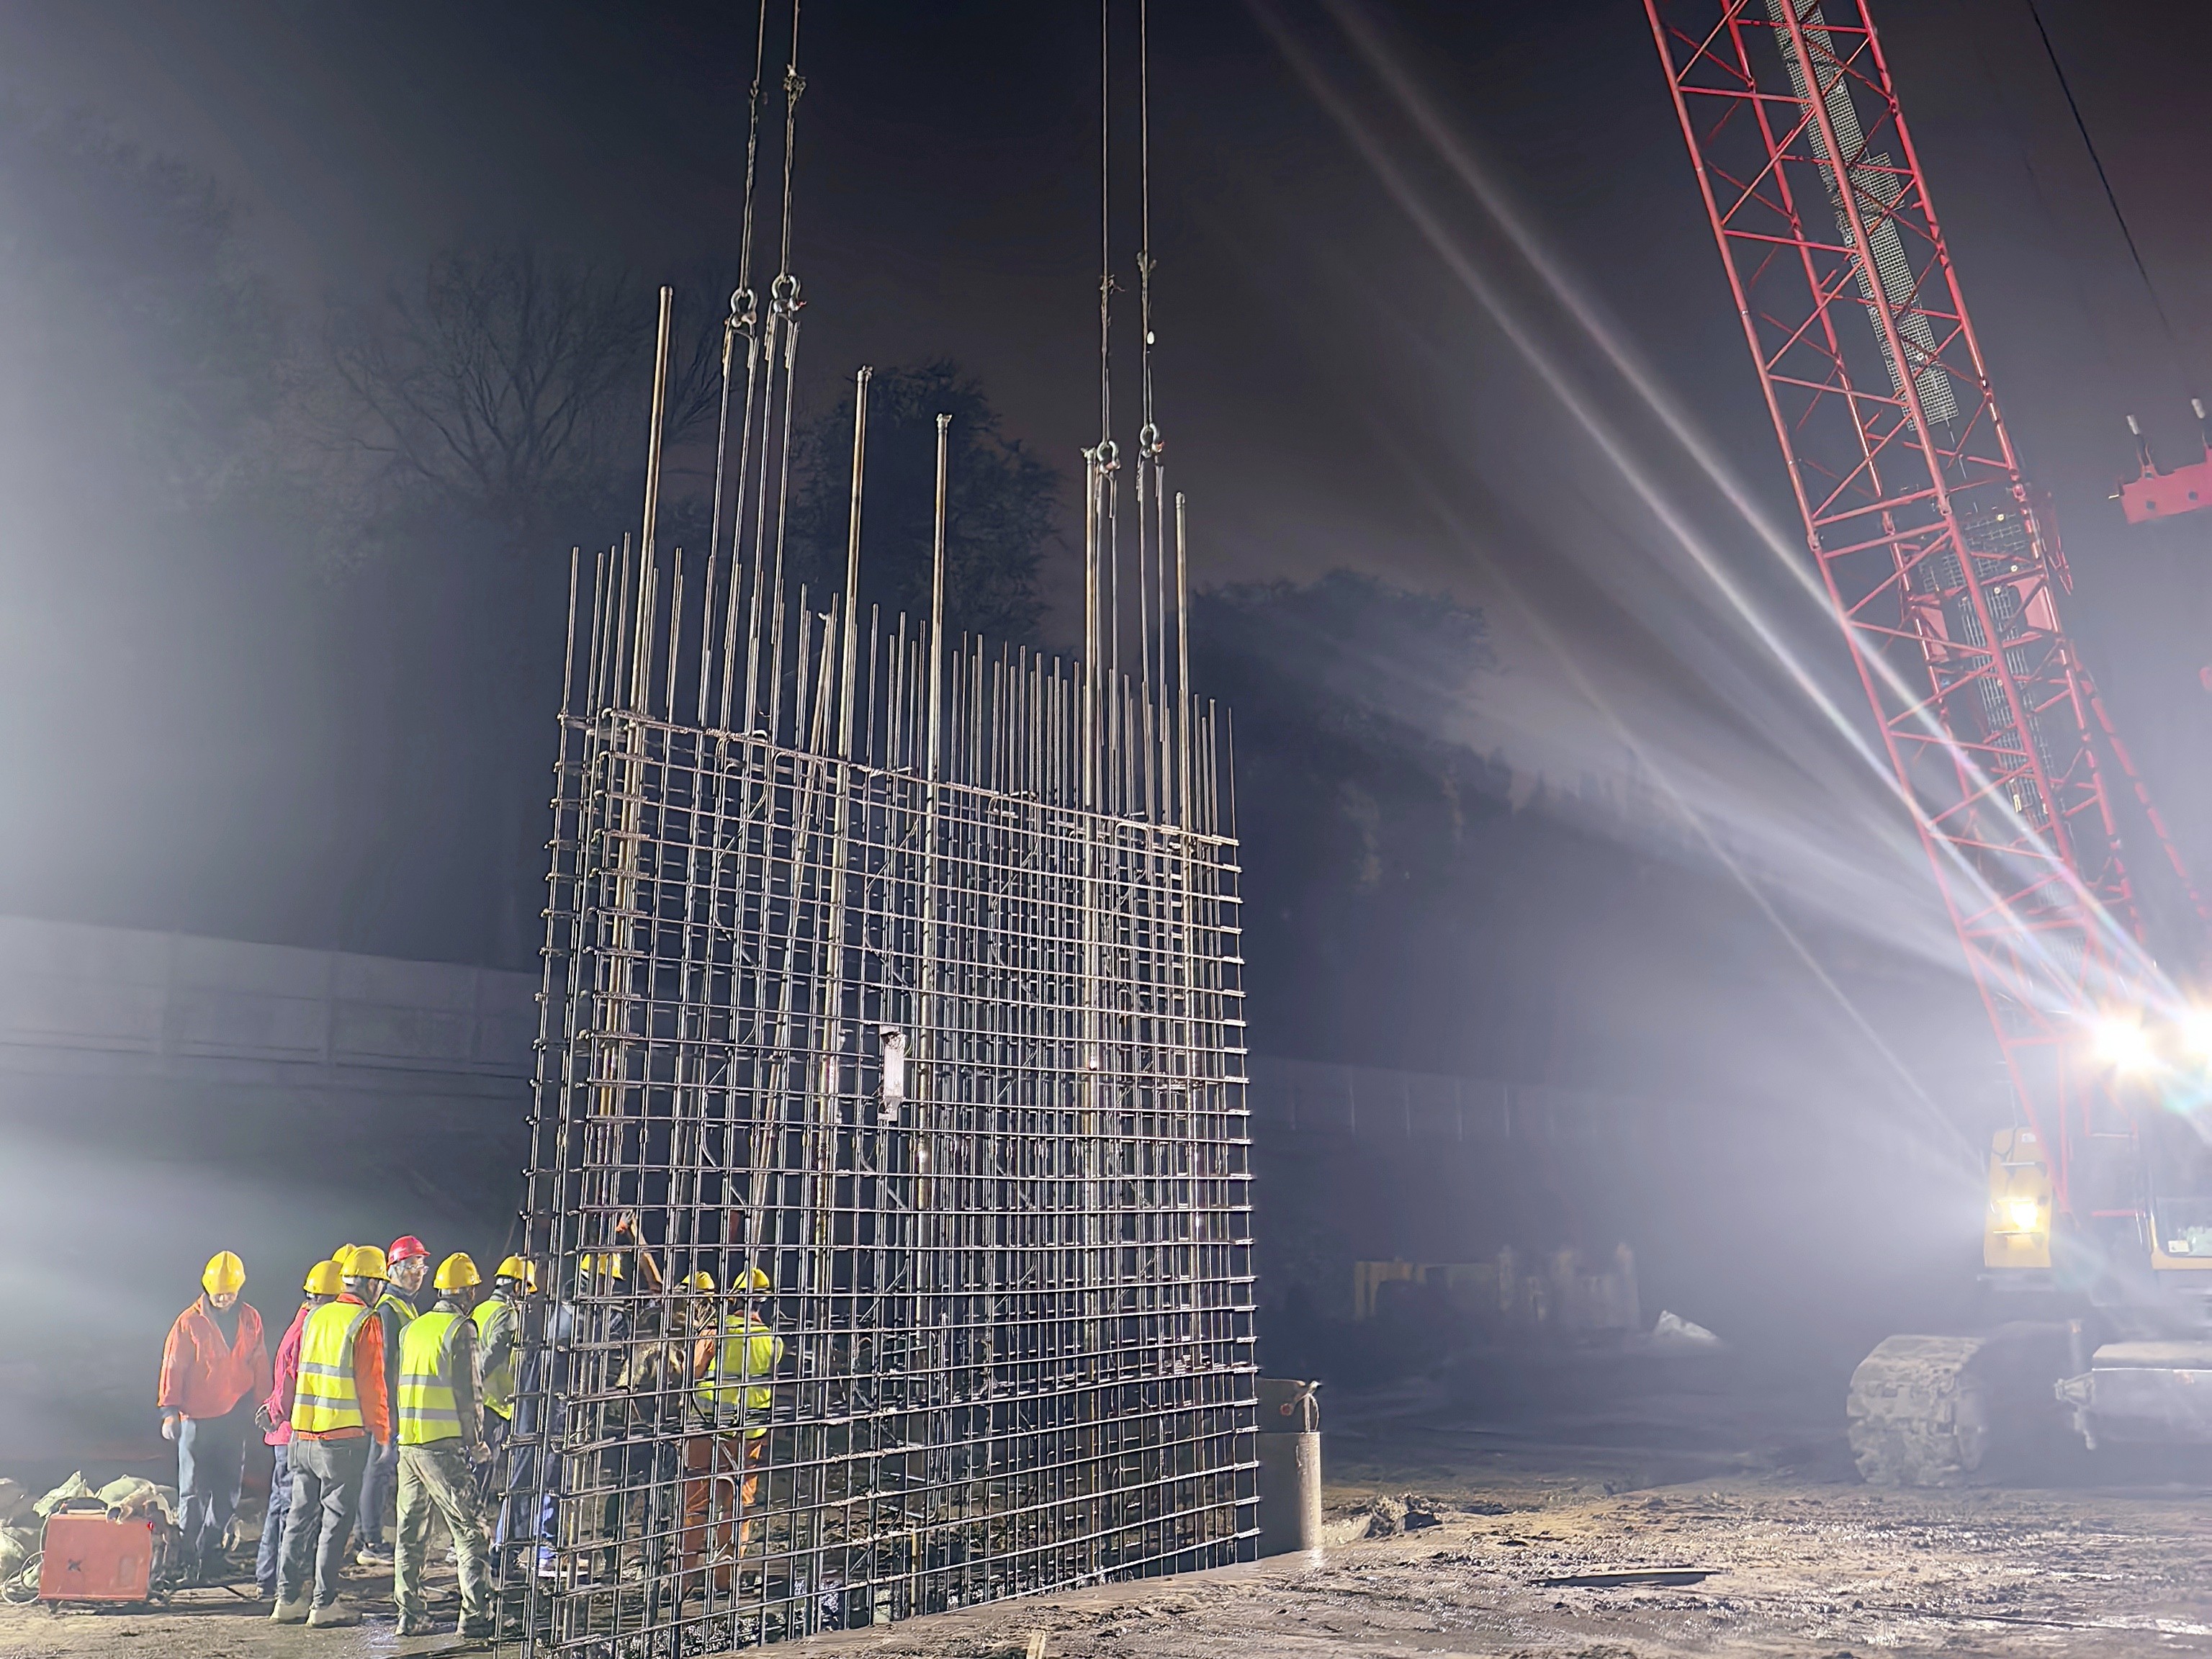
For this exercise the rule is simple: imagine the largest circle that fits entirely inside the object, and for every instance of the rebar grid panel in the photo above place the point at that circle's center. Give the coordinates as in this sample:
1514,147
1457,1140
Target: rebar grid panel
936,1027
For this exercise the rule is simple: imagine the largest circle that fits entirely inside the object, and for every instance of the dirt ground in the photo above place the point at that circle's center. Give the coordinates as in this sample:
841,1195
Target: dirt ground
1735,1480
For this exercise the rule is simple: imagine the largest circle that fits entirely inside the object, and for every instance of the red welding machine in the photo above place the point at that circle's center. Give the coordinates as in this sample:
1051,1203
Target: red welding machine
89,1557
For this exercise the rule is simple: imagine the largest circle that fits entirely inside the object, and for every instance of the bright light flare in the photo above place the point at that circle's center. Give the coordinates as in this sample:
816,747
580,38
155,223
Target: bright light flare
2024,1215
2194,1027
2121,1043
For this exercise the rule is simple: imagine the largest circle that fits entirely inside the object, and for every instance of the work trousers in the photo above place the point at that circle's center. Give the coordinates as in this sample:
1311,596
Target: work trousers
272,1551
325,1481
210,1466
437,1477
721,1476
376,1481
526,1515
491,1478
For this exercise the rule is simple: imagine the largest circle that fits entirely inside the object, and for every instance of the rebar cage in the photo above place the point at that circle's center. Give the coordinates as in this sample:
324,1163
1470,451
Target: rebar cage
902,1000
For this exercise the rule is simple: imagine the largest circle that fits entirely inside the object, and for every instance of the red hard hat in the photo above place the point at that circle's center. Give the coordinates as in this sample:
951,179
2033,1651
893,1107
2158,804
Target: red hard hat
406,1247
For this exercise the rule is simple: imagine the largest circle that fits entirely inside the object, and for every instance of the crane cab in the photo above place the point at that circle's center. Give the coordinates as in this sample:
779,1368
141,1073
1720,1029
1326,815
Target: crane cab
2016,1229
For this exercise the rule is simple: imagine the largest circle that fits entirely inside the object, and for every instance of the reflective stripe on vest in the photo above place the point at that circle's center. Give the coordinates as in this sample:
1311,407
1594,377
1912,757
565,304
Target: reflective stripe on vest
428,1409
739,1360
498,1380
327,1399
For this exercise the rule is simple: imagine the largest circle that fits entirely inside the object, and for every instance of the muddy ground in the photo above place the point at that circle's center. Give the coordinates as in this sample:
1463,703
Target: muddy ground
1727,1472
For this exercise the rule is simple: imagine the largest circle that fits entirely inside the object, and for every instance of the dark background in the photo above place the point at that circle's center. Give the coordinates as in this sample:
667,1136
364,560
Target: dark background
1527,796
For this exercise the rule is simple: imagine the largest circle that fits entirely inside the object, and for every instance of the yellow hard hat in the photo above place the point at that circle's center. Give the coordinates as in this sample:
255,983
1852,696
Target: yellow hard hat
516,1268
610,1264
324,1279
367,1262
458,1273
224,1274
703,1283
754,1279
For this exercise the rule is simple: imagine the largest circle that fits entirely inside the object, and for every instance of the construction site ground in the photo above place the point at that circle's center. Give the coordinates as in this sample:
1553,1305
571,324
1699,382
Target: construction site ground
1463,1507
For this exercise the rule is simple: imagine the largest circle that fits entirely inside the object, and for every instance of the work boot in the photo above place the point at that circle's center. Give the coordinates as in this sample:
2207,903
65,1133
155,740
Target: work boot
335,1615
293,1612
374,1555
417,1627
477,1629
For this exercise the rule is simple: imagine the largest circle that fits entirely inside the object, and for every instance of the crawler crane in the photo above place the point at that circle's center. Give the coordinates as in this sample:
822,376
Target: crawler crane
1945,571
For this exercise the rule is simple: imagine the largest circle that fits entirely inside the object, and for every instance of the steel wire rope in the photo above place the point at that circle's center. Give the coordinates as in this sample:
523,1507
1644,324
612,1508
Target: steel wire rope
2111,196
744,311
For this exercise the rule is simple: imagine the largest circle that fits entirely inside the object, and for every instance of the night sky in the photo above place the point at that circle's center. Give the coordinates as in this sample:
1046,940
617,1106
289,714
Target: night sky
1333,394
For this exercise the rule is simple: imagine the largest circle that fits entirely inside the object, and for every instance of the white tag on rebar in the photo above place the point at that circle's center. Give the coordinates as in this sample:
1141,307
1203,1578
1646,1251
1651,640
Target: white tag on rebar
894,1087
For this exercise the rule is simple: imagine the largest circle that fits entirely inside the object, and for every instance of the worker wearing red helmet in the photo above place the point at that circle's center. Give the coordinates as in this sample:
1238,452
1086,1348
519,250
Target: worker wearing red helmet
409,1265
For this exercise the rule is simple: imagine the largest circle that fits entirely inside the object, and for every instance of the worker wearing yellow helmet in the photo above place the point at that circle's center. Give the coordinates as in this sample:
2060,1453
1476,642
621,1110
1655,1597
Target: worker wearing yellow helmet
734,1357
341,1417
323,1284
499,1340
215,1369
440,1432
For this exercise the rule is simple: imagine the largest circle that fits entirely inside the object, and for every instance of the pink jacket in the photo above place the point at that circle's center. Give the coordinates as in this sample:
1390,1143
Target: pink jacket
285,1382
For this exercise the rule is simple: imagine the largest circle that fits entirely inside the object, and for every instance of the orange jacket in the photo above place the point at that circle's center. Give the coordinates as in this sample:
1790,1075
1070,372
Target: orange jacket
367,1385
202,1377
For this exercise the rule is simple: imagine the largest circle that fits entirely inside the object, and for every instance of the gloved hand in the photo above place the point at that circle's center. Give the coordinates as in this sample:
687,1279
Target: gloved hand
168,1428
262,1420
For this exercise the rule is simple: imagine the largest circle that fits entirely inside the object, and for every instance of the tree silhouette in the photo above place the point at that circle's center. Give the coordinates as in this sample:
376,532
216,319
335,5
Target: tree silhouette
513,389
1002,509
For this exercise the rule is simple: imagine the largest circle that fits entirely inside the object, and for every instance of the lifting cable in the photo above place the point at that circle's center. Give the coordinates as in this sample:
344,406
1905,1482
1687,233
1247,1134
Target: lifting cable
1108,452
1150,450
1147,439
2111,196
1105,235
745,311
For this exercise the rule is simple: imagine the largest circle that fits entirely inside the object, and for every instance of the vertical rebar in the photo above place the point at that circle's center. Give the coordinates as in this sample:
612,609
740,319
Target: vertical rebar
853,563
1182,665
659,417
937,601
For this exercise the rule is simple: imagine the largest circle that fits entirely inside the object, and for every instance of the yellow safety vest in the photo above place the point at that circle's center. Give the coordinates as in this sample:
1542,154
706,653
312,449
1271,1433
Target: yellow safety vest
327,1399
498,1380
427,1410
728,1391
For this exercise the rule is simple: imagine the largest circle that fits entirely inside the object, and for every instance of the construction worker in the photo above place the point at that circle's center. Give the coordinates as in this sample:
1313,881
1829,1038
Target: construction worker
499,1320
439,1429
499,1338
731,1359
215,1367
274,1420
407,1263
657,1377
594,1310
339,1417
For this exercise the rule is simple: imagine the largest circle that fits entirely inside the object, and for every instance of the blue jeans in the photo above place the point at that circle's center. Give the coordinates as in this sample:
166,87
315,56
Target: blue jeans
524,1516
210,1465
272,1525
380,1484
326,1479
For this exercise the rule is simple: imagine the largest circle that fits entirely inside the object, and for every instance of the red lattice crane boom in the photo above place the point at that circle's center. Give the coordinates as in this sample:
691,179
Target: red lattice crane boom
1945,576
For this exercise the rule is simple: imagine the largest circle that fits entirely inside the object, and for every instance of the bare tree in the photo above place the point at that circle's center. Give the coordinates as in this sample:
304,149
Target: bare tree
513,388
